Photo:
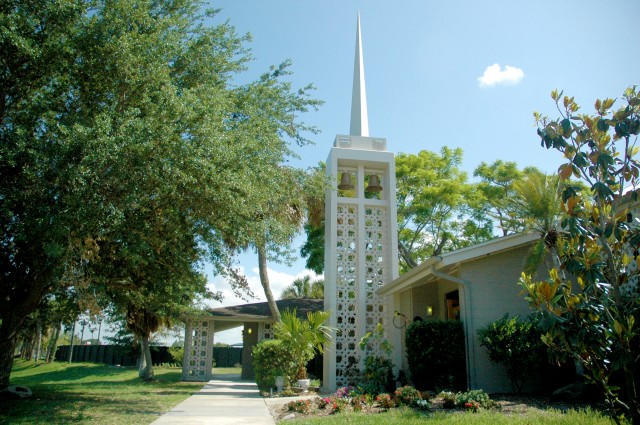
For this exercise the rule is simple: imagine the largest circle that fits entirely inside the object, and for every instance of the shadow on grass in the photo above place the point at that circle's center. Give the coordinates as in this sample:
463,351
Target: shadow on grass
92,393
58,408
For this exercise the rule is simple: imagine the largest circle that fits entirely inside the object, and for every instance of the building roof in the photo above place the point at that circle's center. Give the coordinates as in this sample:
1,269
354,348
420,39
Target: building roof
261,312
453,258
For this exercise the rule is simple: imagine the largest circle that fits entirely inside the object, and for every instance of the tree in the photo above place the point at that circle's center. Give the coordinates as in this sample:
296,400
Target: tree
277,225
115,112
436,206
591,314
313,247
289,205
497,187
304,287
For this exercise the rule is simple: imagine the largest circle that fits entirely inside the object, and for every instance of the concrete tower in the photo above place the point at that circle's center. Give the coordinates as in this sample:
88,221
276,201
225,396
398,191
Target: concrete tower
361,246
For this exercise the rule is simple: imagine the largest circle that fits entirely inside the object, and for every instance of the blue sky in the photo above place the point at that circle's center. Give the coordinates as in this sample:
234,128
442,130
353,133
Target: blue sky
424,61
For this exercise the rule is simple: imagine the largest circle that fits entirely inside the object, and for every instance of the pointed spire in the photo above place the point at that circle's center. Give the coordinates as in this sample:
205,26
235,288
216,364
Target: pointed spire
359,115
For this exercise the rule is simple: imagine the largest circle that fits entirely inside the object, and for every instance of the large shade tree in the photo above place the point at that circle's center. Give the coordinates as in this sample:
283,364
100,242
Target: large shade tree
122,132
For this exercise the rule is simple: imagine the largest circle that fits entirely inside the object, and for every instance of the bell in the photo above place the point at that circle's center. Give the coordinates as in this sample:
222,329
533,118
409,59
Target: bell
374,184
345,181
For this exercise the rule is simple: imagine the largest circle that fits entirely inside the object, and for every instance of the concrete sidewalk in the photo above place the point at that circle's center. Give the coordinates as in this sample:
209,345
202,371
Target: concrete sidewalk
226,399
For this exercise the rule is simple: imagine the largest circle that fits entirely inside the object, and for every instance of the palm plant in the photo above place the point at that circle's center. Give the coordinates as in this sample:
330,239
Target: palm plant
303,338
304,287
538,207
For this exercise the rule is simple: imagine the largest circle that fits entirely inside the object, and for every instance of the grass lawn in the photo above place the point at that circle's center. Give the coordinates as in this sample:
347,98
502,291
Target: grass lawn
409,417
94,393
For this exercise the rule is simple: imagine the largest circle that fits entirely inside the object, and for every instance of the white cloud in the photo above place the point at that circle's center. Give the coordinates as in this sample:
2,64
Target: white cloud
493,75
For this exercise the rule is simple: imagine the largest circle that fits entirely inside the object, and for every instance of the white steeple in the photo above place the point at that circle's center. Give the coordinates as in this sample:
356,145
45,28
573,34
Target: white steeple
361,239
359,115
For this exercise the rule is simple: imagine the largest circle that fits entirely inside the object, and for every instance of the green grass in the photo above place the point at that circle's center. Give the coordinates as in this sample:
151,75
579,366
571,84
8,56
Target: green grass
409,417
226,371
94,393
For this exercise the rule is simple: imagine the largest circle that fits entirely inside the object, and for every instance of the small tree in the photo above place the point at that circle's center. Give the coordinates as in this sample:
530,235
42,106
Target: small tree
303,338
516,345
591,314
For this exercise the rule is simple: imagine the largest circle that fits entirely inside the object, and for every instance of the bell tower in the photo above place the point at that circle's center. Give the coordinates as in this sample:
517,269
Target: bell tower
361,246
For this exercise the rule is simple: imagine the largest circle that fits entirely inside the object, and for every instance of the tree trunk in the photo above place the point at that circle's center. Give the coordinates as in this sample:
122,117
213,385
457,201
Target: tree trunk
632,395
264,280
145,370
39,344
9,326
27,348
53,344
406,256
73,331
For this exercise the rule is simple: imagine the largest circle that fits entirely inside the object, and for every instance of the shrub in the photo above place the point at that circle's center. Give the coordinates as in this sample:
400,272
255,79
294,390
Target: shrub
271,359
472,406
448,399
357,404
422,405
516,345
435,353
177,354
378,375
338,404
407,396
344,392
385,401
474,397
323,402
300,406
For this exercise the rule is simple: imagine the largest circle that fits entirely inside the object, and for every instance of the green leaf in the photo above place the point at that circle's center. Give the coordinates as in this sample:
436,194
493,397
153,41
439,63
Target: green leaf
608,230
602,190
566,127
603,125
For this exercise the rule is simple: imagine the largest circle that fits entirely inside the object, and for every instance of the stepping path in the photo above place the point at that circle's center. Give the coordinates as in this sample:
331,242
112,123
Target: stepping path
226,399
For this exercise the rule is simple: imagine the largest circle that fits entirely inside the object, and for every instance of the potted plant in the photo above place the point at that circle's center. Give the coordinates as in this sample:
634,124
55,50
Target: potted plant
279,380
303,338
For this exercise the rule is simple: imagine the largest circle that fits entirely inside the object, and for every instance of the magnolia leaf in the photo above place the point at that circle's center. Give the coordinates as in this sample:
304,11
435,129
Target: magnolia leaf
566,127
565,171
617,327
603,125
608,230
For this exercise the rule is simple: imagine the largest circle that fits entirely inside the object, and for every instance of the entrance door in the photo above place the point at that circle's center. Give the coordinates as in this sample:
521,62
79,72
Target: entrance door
453,305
